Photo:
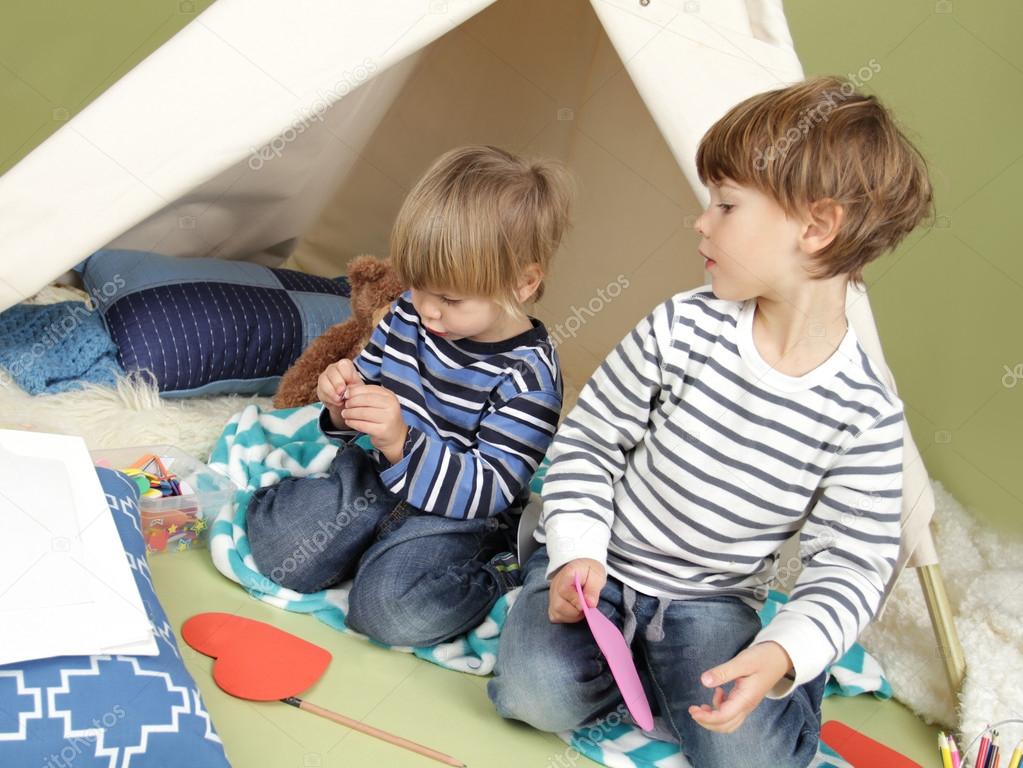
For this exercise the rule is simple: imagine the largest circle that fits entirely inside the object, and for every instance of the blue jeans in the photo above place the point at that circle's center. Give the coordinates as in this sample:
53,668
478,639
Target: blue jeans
554,677
420,579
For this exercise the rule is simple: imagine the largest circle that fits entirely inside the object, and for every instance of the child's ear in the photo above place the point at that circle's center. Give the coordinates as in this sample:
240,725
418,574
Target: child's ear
531,278
821,225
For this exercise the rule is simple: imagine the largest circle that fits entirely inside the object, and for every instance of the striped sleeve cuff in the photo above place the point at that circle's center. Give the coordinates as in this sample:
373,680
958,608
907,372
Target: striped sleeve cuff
393,475
807,647
571,537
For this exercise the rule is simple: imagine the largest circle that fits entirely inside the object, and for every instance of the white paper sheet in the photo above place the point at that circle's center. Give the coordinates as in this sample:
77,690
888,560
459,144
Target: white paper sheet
65,585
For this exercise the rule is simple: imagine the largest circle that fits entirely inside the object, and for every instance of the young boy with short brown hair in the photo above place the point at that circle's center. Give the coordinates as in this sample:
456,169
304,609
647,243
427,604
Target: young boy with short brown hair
730,418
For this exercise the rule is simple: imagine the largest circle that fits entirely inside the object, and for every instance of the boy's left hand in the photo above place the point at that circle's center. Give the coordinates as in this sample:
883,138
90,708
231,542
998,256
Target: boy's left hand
755,671
376,411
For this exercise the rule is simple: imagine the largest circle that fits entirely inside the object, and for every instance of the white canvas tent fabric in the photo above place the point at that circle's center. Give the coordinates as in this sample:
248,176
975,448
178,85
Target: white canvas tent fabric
183,154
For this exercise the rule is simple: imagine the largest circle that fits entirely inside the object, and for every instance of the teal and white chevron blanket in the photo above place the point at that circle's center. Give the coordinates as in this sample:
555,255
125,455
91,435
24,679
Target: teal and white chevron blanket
259,448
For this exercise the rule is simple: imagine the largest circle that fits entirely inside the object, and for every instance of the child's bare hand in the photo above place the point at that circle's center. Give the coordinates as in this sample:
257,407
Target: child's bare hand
333,385
376,411
755,671
564,606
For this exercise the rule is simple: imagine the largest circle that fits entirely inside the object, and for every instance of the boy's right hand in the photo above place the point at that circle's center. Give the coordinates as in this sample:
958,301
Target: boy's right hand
332,388
564,607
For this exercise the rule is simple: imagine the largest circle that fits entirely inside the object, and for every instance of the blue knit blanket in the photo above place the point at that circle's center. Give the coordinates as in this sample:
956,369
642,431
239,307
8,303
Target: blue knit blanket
51,348
259,448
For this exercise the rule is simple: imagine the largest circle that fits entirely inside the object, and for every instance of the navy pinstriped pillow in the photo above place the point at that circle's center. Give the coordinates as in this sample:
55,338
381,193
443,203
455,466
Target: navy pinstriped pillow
210,326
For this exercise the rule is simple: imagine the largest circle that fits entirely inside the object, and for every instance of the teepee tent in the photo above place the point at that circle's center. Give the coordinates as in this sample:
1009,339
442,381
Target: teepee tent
263,131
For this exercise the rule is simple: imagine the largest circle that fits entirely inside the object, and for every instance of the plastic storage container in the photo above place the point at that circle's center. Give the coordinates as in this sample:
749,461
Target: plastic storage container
175,523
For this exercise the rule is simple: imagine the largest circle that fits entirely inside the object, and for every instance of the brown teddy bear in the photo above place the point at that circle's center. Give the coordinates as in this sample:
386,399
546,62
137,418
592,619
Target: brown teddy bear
374,286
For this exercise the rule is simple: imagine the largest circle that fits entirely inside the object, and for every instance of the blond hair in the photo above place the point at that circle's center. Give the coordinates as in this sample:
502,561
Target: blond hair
822,140
477,219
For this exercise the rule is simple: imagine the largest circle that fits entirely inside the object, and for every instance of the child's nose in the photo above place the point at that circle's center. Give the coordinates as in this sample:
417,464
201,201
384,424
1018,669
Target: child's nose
699,226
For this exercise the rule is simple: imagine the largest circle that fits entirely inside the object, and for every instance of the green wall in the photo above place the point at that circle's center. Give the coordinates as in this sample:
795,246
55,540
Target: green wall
57,56
945,302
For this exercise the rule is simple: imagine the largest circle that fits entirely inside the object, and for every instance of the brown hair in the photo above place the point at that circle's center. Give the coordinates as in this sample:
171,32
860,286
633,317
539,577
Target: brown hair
477,219
822,140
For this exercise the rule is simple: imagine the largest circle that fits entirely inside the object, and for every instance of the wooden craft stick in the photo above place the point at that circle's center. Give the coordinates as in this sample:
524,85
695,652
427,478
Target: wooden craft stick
357,725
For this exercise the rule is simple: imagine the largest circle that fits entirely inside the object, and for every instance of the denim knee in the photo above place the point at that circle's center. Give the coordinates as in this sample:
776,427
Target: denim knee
308,533
297,573
295,568
751,747
551,676
390,618
414,614
422,582
538,690
781,732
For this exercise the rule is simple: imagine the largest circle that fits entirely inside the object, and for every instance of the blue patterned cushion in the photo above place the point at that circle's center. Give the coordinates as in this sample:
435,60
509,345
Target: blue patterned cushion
210,326
125,711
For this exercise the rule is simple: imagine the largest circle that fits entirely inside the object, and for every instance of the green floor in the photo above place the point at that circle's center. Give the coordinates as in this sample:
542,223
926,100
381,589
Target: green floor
446,710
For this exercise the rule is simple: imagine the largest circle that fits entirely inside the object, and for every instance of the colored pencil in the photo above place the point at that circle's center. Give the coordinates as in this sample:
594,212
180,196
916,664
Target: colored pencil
992,749
982,751
989,760
946,756
1017,756
995,758
358,725
954,749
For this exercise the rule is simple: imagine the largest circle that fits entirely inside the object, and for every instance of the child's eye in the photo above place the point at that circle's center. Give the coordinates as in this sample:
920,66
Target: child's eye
726,207
446,300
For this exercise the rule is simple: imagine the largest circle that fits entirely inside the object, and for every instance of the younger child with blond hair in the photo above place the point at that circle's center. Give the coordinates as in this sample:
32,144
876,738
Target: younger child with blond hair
459,391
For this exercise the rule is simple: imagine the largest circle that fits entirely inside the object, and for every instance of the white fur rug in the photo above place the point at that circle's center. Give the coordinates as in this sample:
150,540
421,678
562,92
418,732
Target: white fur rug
983,572
132,414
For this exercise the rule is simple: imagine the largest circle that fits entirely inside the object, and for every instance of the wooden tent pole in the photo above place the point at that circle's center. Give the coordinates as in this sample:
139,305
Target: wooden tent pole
944,626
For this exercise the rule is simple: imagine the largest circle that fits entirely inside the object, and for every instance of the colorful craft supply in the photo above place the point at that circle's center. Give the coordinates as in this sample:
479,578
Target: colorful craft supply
989,753
862,751
944,751
983,750
619,659
153,479
953,748
142,483
259,662
175,527
1017,756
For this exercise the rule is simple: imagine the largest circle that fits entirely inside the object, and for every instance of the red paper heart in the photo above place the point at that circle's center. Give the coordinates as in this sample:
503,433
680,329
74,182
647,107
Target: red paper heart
255,660
861,751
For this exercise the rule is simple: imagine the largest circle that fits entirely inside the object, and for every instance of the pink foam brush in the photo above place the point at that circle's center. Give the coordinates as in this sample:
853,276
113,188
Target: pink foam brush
619,658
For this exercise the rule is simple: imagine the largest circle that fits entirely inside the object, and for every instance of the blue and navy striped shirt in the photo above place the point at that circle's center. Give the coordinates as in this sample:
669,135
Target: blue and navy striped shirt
481,415
688,461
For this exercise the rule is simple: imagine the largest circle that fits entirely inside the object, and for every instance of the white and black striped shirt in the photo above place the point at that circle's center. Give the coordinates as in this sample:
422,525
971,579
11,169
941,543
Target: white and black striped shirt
688,461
